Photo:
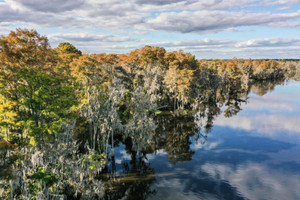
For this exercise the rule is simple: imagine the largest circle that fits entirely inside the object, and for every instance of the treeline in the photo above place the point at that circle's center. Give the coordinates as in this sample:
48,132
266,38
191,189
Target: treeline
42,88
61,97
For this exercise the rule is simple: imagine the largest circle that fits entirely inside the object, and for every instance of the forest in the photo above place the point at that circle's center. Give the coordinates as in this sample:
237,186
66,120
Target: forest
62,112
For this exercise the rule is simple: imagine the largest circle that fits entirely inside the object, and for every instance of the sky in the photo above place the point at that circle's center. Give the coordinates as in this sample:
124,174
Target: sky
205,28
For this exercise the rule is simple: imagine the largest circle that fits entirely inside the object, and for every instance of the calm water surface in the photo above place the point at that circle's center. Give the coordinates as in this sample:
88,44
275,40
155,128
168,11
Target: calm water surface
252,155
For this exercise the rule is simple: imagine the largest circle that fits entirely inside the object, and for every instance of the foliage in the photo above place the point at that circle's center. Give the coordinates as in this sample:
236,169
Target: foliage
47,95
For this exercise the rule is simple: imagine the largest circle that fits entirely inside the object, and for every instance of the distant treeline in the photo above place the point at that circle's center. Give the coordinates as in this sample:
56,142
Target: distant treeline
281,59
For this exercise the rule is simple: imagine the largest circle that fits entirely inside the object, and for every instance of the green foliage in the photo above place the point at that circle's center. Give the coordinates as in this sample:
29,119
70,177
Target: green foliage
158,112
97,160
44,101
44,176
41,176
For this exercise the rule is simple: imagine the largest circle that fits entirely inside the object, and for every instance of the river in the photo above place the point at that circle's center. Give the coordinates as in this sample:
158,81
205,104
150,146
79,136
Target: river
252,154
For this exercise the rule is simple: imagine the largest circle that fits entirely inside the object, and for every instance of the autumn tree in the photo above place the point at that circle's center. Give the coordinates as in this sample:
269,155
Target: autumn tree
40,96
65,53
183,60
177,82
24,48
144,56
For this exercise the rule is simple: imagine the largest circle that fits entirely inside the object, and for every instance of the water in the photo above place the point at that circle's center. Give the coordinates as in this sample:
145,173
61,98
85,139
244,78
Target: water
251,155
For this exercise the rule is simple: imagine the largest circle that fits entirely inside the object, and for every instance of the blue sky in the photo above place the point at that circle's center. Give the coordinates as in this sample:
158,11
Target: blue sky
207,29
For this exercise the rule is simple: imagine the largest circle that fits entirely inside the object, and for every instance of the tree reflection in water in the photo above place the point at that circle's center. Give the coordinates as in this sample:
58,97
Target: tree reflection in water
171,132
174,135
134,183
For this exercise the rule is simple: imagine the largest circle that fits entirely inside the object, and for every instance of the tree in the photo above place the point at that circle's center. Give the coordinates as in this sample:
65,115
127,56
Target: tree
38,96
24,48
178,81
66,53
8,118
44,103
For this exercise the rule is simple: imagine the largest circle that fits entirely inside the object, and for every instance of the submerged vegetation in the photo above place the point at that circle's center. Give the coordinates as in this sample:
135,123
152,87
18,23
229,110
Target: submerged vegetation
62,112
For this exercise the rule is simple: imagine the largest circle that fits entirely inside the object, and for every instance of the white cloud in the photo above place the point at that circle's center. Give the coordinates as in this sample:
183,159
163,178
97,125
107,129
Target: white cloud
158,2
44,19
118,13
283,2
88,37
270,42
193,4
198,42
91,13
134,19
212,21
45,5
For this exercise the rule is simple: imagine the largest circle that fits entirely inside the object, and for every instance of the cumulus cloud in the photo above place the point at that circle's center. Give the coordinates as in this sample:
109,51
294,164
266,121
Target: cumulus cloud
14,16
159,2
46,5
88,14
118,13
197,42
87,37
94,8
137,17
270,42
283,2
211,21
96,43
193,4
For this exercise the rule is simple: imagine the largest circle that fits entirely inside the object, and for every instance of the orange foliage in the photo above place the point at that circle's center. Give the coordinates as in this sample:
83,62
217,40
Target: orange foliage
24,48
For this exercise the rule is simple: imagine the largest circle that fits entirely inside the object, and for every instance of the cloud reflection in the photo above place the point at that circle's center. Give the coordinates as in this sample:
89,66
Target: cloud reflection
175,188
256,181
270,103
265,124
206,146
271,114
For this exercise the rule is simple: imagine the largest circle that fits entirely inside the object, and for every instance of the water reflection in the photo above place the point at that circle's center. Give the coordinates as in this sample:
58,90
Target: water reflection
133,184
233,142
261,88
215,153
271,115
256,181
